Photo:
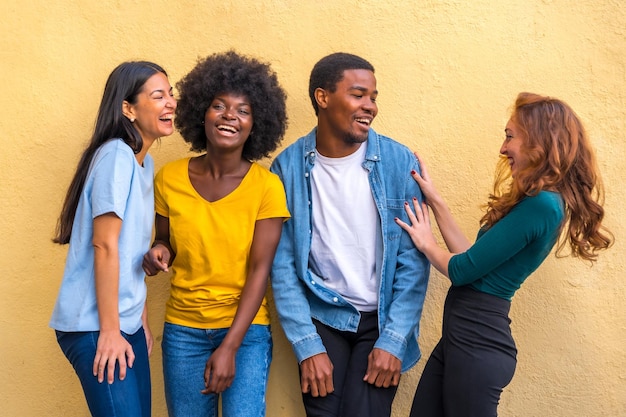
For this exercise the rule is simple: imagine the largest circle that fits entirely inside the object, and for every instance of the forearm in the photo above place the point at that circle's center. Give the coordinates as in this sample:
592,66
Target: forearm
450,231
249,303
106,271
438,257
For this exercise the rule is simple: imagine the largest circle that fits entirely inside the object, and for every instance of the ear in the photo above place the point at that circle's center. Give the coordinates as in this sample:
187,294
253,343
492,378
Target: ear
321,97
128,110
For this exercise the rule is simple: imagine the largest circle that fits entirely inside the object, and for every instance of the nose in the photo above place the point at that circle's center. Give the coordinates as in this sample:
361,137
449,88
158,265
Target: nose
503,148
171,102
228,113
370,106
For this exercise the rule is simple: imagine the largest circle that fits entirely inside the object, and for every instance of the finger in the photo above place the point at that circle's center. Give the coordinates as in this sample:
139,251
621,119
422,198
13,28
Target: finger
330,387
395,379
102,363
426,213
410,213
96,364
422,165
315,389
111,370
130,356
305,386
418,216
419,209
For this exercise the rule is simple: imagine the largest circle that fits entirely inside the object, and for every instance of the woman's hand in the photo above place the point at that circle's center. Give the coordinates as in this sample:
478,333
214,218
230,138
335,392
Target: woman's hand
156,260
112,348
431,195
419,230
219,371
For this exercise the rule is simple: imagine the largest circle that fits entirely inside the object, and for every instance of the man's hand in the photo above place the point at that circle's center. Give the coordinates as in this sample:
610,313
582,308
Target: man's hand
317,375
383,369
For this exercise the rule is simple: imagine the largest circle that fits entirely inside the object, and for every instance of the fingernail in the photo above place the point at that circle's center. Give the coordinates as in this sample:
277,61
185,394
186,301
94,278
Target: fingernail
413,172
414,198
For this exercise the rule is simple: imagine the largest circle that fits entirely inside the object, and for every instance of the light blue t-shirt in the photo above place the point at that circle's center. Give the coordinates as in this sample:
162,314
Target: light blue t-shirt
115,183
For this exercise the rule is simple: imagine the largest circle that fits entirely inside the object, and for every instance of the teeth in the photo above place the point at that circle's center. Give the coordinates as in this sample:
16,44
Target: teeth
366,121
228,128
166,117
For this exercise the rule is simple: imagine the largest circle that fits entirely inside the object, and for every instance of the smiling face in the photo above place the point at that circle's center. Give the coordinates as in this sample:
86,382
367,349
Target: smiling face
153,110
228,122
348,112
512,147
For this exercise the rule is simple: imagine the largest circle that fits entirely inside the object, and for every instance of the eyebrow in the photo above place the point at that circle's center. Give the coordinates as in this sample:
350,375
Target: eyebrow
162,91
362,89
243,103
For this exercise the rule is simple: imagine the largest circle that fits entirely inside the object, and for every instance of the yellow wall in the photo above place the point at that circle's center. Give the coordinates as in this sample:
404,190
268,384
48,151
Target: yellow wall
448,71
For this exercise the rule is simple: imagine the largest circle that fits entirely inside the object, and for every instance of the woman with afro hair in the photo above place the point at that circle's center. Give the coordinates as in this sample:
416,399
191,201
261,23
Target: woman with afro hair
219,219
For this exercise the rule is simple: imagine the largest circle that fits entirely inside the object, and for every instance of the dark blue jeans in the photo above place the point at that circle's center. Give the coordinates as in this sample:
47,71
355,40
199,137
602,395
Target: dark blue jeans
128,398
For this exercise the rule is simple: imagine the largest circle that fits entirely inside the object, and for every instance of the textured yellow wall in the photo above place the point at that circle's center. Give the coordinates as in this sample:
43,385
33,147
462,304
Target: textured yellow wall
448,71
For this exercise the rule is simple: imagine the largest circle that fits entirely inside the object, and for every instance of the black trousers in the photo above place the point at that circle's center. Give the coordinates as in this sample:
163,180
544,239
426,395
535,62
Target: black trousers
348,353
474,360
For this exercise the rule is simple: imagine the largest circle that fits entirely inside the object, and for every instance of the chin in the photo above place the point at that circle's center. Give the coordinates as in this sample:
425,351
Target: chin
351,138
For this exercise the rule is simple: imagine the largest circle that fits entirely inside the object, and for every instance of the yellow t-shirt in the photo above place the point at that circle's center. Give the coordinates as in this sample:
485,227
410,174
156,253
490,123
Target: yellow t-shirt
212,243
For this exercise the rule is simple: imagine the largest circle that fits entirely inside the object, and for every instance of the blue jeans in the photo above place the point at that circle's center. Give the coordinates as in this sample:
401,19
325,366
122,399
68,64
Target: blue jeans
185,353
128,398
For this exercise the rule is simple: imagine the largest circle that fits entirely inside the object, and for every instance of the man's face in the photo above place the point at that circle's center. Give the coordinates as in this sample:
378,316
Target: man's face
351,108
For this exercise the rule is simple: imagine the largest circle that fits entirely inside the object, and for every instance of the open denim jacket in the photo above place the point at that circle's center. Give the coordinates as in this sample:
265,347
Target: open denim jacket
300,295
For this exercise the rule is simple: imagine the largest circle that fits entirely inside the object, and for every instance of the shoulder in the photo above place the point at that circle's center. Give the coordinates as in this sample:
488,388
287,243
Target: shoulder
113,157
298,148
546,204
389,146
175,165
115,148
263,175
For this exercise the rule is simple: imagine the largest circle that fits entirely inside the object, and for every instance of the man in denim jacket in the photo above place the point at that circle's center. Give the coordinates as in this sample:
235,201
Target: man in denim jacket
348,284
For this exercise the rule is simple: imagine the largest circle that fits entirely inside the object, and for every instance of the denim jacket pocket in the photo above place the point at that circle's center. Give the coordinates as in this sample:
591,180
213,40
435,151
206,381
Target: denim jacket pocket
395,208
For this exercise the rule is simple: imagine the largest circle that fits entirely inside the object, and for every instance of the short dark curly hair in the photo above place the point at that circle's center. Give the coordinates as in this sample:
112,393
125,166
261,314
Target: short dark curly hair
329,71
230,72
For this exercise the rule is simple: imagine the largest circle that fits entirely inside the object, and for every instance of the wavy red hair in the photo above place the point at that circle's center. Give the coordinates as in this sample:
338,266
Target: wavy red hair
560,159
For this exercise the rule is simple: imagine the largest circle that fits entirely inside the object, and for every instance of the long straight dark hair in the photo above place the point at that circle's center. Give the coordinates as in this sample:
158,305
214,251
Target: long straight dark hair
124,84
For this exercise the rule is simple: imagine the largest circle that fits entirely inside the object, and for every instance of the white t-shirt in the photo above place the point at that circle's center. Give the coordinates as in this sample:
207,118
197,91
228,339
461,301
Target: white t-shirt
346,247
115,183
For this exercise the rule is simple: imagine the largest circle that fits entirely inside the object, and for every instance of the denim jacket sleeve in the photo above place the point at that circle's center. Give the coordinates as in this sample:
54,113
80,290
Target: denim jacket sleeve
406,270
288,274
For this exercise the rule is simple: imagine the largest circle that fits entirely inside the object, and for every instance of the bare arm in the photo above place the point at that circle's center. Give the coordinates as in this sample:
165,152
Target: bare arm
220,368
112,348
161,255
422,236
450,231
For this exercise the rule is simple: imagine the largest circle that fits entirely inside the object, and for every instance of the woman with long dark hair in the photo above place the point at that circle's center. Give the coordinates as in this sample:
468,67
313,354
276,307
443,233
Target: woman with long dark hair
99,317
547,192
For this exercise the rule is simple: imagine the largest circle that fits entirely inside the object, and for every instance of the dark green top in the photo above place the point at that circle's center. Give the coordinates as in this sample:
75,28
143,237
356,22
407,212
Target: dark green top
504,255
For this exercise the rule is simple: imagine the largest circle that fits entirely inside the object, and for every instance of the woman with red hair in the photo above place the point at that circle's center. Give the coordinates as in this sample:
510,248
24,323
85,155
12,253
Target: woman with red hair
547,192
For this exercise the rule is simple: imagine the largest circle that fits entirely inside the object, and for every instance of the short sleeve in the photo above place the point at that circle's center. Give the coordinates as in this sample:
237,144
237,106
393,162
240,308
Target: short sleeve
160,204
274,203
112,172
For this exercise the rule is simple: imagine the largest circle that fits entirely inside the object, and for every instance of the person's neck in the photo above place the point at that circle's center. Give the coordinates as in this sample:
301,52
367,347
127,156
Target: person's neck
141,155
332,146
231,164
